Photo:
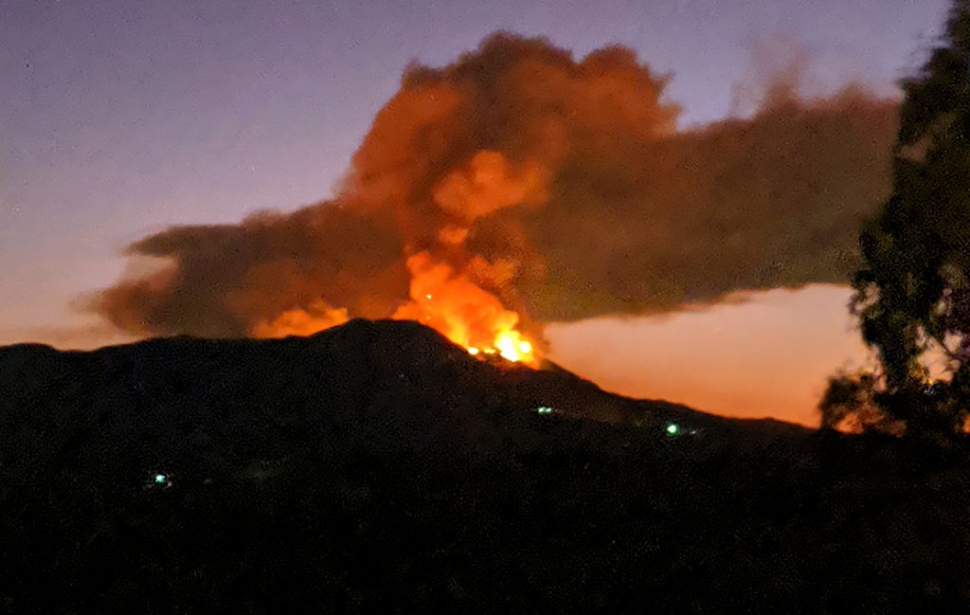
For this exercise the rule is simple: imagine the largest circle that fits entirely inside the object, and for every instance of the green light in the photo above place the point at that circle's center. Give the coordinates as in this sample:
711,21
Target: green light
544,410
673,428
159,479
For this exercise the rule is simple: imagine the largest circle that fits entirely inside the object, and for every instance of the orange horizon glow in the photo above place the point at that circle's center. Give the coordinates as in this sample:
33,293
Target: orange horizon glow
768,356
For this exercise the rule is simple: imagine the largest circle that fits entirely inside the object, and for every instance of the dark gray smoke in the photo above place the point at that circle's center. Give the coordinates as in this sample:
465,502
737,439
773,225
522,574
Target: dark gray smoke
567,177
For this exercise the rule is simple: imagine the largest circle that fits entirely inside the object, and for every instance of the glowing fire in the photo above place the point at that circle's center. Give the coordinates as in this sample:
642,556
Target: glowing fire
513,347
463,312
441,298
314,319
509,345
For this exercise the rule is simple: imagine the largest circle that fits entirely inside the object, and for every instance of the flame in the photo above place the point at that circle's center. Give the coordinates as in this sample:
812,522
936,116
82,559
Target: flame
512,346
441,298
462,311
314,319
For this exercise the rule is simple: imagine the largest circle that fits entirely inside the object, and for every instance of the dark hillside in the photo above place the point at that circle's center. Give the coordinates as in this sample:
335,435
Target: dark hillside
377,468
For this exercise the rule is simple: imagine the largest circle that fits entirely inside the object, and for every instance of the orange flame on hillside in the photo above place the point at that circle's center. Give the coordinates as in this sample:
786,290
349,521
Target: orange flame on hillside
442,299
314,319
463,312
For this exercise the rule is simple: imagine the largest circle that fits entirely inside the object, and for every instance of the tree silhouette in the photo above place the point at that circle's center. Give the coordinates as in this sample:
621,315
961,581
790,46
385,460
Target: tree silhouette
912,292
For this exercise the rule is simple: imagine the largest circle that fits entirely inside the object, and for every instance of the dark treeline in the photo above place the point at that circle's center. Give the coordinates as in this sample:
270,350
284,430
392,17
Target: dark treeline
377,468
912,291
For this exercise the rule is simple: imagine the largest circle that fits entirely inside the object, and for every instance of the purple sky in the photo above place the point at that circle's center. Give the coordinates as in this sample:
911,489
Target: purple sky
118,118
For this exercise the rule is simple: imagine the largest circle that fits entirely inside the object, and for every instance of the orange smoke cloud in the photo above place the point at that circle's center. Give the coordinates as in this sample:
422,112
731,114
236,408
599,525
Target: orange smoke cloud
488,185
520,185
302,321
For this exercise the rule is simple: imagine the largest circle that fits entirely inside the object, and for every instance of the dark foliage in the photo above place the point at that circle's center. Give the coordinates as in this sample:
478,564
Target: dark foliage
375,468
913,289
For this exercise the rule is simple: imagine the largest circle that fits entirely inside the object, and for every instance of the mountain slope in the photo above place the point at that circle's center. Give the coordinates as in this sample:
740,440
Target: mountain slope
375,467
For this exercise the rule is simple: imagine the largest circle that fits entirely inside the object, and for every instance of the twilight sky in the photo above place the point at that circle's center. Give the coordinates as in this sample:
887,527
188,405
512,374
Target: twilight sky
120,118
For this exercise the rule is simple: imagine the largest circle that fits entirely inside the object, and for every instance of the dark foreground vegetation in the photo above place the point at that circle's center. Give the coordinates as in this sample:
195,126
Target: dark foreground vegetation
912,291
376,468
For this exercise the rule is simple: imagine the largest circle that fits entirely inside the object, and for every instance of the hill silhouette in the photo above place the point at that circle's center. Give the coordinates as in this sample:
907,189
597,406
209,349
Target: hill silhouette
376,467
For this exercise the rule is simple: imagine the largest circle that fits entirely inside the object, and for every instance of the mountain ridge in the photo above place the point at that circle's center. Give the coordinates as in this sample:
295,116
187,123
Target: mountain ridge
376,467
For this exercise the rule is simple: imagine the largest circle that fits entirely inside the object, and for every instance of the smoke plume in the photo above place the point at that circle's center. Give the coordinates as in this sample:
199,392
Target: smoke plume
560,187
